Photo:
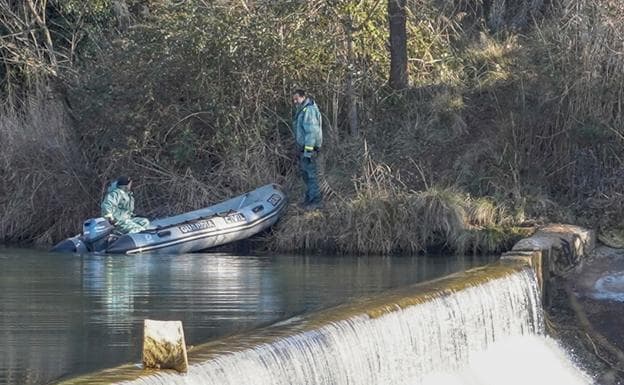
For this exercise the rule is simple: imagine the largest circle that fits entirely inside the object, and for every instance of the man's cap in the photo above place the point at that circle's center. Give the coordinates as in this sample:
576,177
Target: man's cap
123,181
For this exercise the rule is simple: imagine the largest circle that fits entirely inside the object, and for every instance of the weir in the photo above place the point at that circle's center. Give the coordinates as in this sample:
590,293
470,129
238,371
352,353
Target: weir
431,333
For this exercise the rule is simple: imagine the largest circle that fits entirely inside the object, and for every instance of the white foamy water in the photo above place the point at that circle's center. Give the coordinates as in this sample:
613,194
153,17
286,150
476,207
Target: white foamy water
488,334
520,360
609,287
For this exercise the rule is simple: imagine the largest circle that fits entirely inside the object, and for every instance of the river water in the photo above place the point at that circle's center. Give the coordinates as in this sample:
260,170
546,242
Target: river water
62,315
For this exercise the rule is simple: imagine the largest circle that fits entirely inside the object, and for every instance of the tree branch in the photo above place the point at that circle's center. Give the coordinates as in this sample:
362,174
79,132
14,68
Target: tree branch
46,33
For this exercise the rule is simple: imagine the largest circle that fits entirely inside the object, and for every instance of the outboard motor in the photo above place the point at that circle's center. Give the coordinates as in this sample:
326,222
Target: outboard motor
95,232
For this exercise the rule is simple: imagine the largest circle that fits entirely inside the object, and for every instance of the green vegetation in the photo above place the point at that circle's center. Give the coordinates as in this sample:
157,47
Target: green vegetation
513,114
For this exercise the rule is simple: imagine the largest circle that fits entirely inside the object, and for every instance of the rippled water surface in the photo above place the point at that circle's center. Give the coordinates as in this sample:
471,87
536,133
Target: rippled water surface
62,315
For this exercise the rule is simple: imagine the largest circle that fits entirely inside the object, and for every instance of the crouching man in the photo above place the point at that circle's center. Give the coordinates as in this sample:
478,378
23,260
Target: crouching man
118,207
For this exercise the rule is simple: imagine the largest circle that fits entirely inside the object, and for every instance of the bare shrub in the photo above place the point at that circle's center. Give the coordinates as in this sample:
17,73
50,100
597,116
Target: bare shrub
43,173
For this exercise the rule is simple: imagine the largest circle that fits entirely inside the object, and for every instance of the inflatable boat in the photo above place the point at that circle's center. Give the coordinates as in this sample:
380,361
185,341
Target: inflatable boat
232,220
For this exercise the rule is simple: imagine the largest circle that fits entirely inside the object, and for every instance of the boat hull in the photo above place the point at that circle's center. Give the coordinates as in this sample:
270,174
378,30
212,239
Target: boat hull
235,219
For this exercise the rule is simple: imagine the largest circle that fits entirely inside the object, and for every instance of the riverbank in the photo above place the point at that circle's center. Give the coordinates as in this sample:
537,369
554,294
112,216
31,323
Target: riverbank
435,221
519,108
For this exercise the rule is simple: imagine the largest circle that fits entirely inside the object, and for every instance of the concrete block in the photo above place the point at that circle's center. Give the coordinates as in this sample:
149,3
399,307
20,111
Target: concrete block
164,346
562,248
580,241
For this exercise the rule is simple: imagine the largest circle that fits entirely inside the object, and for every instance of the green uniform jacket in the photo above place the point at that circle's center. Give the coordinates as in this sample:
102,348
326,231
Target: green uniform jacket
118,207
307,124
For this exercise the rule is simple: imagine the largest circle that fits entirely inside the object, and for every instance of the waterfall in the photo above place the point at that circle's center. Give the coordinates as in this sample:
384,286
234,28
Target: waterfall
443,336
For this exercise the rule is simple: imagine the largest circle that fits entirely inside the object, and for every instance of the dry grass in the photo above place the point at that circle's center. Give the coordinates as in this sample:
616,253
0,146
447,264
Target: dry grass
404,223
384,217
43,174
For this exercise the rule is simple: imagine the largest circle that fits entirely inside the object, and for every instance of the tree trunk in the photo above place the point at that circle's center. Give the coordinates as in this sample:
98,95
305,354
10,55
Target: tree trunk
398,44
350,89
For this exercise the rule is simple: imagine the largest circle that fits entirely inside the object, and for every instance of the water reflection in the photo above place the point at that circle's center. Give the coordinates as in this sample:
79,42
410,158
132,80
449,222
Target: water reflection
64,314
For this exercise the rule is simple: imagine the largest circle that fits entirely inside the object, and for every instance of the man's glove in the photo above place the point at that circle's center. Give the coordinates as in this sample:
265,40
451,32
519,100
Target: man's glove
308,151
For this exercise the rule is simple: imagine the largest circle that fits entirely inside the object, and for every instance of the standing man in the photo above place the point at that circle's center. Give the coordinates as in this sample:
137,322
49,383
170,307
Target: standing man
118,207
309,136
